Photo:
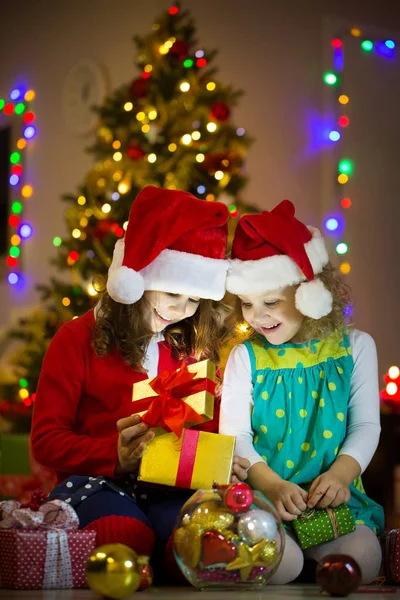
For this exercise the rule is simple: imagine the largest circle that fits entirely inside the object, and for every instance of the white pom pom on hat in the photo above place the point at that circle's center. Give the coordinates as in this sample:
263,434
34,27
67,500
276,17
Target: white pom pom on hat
125,285
313,299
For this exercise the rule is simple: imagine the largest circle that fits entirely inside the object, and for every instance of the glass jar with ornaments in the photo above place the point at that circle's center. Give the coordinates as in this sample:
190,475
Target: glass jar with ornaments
229,536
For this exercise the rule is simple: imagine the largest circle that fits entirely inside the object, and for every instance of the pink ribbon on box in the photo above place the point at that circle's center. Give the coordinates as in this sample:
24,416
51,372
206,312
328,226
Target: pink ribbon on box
56,517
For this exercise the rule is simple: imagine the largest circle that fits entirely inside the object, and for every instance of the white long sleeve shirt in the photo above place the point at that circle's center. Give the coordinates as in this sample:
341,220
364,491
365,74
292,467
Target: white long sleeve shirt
363,424
150,362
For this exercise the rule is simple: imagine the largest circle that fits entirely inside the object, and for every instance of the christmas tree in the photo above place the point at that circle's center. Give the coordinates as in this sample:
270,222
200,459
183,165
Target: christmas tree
170,127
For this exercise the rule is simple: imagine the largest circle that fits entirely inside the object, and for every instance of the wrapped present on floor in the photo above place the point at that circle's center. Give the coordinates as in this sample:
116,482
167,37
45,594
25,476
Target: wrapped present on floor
391,555
177,399
195,460
178,456
41,547
316,526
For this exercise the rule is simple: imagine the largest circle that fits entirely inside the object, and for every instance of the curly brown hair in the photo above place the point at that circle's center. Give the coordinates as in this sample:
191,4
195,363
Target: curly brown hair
334,322
122,326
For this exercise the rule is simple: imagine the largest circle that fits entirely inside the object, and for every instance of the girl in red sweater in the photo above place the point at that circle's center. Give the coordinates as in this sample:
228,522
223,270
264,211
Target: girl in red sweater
156,312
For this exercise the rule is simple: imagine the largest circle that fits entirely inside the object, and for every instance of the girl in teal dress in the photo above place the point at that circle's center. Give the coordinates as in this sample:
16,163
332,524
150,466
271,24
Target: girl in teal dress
301,395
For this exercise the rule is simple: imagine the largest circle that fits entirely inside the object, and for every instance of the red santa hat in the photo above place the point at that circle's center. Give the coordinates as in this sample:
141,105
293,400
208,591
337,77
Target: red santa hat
174,243
272,250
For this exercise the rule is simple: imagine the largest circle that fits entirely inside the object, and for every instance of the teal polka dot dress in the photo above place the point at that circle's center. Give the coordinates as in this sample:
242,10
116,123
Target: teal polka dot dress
299,420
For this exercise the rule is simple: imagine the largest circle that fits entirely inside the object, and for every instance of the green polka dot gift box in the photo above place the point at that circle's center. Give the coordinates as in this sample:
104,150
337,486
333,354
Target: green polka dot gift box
317,526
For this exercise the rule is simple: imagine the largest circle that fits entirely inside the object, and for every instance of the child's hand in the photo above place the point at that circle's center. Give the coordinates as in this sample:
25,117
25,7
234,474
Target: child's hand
132,441
328,490
288,498
239,469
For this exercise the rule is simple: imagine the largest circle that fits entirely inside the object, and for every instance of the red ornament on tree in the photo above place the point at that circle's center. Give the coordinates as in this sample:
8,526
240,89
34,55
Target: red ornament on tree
238,497
180,49
134,152
212,162
114,227
220,111
220,161
338,574
102,229
139,88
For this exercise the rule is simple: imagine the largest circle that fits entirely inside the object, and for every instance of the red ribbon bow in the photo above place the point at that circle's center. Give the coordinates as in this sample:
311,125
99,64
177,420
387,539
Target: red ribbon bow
38,498
169,410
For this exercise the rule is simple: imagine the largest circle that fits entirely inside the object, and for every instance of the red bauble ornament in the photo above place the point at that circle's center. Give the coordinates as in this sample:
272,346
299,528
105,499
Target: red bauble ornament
220,111
338,574
134,152
180,49
216,549
238,498
213,162
146,573
220,161
139,88
102,229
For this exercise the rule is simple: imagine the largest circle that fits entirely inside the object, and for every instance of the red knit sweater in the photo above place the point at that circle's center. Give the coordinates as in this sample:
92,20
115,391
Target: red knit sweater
80,398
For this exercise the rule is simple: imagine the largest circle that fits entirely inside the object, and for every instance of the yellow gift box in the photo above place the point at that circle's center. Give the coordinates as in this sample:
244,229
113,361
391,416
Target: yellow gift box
195,460
199,376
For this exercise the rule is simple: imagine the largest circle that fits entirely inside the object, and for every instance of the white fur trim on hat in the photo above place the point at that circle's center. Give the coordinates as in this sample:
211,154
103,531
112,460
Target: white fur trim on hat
172,271
118,256
274,272
189,274
313,299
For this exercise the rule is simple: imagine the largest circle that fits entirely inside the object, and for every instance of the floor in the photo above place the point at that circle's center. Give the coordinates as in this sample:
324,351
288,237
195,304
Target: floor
288,592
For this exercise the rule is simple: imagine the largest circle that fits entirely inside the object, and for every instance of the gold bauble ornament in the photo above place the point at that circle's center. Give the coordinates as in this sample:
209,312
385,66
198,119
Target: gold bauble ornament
211,515
230,535
269,554
187,542
112,571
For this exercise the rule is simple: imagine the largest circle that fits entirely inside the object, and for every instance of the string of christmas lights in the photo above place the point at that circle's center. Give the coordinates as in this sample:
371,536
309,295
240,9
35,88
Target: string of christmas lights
390,395
19,104
334,223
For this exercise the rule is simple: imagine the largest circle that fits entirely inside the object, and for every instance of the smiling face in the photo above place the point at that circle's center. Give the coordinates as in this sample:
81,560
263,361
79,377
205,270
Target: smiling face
273,314
163,309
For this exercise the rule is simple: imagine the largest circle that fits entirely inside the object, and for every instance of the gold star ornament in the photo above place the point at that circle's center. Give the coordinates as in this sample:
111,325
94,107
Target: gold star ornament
249,557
